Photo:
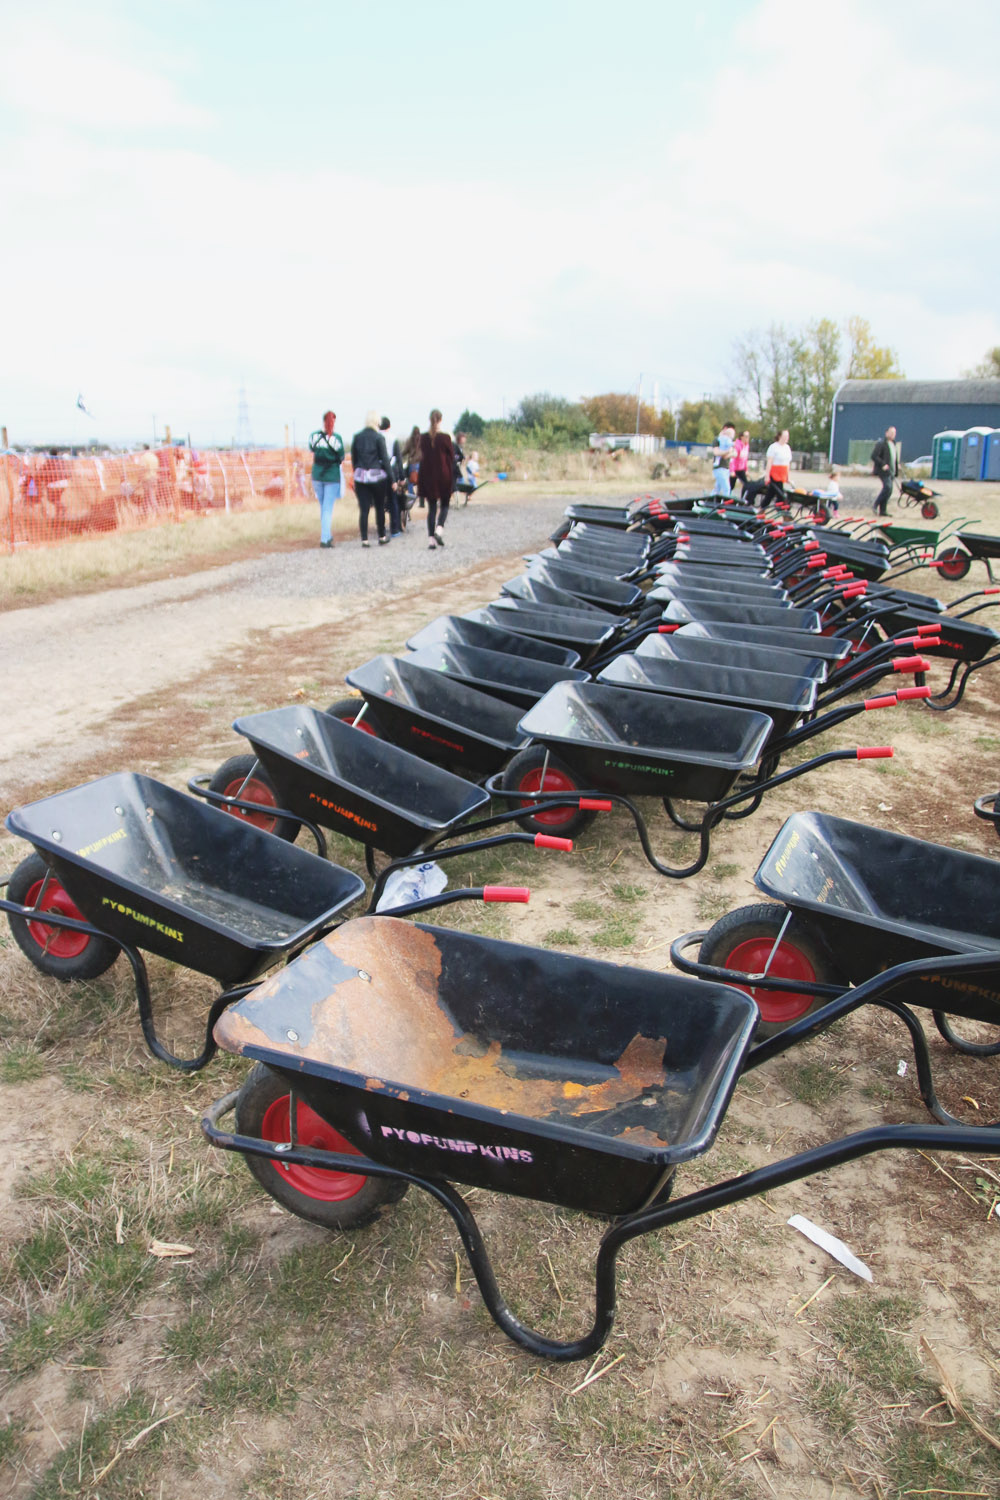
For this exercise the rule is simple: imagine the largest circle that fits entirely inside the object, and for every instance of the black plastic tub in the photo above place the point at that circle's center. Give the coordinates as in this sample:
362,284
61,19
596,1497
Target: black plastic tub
881,898
437,718
645,744
355,783
679,646
513,679
586,634
681,613
517,1069
165,872
454,630
829,647
607,593
784,699
535,590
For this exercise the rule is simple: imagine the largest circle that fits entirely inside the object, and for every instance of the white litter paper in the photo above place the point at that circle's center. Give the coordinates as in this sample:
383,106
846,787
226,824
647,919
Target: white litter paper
831,1245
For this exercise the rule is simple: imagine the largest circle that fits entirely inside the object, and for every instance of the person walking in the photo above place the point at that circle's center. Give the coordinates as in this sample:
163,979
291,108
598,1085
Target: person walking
738,461
371,476
885,463
394,497
411,466
721,457
327,449
436,480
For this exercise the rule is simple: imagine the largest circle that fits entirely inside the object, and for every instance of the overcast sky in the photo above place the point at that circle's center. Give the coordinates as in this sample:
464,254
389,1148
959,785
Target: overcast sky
401,205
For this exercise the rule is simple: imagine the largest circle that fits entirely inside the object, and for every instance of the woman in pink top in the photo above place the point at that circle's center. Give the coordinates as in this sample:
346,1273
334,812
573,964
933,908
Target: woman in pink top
738,462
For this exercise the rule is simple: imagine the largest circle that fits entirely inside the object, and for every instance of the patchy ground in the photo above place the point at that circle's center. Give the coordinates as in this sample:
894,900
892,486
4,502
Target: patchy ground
272,1359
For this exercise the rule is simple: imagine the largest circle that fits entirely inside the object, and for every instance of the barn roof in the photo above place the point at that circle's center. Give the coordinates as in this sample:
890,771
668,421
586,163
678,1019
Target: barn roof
920,392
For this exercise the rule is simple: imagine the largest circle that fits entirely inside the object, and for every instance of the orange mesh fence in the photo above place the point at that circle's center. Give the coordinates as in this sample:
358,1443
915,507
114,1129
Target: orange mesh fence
47,497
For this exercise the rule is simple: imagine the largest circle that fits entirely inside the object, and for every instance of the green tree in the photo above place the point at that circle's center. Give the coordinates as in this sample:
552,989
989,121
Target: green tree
548,421
988,366
867,360
614,412
701,421
471,423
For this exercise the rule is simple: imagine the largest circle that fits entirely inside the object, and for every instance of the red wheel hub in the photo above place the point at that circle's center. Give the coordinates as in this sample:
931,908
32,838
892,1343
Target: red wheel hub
364,724
554,781
311,1130
60,942
252,791
952,565
779,1007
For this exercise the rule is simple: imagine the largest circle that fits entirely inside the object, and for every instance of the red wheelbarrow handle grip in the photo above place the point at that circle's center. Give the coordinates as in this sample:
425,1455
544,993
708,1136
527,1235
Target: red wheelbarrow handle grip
931,628
887,701
506,893
666,629
918,640
910,664
595,804
549,841
875,752
912,692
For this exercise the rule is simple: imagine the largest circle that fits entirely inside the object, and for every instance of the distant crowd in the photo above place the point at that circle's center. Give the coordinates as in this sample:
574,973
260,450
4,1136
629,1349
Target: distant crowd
392,478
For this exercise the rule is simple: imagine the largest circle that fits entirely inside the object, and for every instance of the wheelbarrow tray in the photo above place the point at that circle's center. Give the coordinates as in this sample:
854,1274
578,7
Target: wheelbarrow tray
779,618
633,545
714,590
882,898
539,591
585,634
454,630
520,682
708,575
645,744
683,647
608,593
979,544
437,718
524,1071
743,557
614,517
355,783
830,648
783,699
905,536
165,872
965,640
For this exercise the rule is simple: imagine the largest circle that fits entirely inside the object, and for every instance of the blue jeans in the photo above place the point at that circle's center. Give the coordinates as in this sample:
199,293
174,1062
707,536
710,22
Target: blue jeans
326,493
720,481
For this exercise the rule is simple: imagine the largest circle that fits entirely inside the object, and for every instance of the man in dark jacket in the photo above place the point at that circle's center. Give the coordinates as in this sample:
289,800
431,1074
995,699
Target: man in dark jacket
884,465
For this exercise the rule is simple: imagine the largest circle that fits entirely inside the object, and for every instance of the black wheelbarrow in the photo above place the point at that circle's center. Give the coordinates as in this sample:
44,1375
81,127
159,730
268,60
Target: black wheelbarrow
396,1054
516,680
609,744
125,863
586,634
454,630
916,492
954,562
985,807
855,900
607,593
539,593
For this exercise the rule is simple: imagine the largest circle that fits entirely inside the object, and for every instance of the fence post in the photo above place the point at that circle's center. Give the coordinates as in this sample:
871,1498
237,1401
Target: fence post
288,469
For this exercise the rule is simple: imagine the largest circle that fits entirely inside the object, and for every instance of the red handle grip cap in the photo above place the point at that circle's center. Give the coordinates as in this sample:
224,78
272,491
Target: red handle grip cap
887,701
931,628
506,893
911,664
594,804
903,694
666,629
549,841
875,752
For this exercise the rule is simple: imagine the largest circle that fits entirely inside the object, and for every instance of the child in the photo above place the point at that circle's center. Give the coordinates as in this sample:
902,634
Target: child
472,469
831,496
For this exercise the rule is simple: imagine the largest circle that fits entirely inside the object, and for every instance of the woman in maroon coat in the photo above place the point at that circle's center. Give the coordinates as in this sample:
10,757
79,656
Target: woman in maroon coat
436,479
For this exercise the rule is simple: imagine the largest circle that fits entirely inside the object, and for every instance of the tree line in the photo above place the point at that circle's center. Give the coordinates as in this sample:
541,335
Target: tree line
781,377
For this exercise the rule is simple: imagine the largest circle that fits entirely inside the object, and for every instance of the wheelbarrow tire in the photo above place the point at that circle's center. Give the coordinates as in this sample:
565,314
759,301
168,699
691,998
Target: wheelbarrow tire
743,939
929,510
347,710
954,563
56,951
243,776
525,774
336,1200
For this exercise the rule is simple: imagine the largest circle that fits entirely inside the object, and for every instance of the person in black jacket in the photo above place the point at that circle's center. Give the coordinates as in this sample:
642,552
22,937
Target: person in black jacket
394,496
884,466
371,476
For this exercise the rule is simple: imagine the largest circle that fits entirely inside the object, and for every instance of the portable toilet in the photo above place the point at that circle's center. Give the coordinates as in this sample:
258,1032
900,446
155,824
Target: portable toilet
972,452
945,449
991,465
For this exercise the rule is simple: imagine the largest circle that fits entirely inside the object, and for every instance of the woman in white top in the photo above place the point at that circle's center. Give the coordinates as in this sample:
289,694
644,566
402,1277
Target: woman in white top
777,462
